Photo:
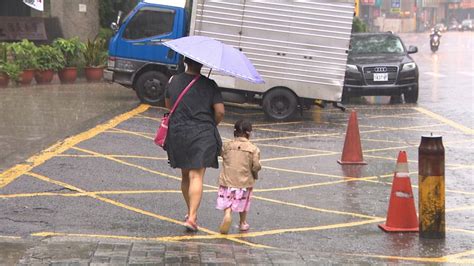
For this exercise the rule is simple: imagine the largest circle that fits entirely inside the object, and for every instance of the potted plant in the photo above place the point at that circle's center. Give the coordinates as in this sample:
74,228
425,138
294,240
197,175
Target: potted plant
95,56
49,60
8,71
72,50
23,54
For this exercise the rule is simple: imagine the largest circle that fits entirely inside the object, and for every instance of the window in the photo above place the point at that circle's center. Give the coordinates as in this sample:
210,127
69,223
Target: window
149,22
376,44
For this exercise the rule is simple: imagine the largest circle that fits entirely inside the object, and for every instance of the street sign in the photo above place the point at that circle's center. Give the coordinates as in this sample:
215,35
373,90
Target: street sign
396,4
36,4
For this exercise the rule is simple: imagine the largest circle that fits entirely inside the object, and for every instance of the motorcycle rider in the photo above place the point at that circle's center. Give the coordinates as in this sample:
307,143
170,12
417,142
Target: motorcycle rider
435,39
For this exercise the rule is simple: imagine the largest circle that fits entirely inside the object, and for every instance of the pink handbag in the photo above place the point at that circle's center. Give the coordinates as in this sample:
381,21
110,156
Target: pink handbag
162,130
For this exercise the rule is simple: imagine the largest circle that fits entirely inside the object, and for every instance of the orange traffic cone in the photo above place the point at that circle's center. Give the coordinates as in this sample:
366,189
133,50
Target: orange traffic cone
352,151
401,215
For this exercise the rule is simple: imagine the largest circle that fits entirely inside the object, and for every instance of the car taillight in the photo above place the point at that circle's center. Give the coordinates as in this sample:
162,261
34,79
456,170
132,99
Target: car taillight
111,62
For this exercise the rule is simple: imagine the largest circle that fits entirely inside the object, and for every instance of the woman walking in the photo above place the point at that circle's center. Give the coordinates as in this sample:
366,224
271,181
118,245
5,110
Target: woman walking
193,142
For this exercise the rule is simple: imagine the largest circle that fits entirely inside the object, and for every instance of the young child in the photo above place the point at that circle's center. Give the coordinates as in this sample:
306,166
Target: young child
237,177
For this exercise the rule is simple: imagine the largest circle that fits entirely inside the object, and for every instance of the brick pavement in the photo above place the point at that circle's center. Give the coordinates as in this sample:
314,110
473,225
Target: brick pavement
66,252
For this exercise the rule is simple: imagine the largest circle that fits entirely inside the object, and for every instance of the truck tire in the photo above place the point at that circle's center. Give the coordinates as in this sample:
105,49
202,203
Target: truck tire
150,88
280,104
411,96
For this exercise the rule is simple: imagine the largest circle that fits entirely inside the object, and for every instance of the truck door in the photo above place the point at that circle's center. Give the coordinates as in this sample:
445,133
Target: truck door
144,32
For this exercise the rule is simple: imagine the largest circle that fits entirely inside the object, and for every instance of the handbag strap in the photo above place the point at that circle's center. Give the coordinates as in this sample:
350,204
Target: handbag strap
184,92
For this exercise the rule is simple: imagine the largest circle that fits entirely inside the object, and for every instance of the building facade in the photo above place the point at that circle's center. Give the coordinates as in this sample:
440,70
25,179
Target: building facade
60,18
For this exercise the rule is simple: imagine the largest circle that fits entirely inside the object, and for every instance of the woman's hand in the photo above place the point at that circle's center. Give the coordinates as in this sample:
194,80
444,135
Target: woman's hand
218,112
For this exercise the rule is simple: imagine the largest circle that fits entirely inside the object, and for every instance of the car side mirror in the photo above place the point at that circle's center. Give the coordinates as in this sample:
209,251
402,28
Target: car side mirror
412,49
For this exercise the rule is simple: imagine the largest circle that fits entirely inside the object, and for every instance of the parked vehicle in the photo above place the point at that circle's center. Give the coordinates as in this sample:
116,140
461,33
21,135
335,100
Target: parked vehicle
467,25
298,48
435,40
440,27
379,64
454,26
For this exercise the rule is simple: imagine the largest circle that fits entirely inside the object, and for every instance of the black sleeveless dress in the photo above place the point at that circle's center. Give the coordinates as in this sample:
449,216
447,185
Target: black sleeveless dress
193,140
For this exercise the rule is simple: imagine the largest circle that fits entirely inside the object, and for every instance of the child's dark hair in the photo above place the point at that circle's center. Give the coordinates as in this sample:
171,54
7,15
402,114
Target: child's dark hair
242,128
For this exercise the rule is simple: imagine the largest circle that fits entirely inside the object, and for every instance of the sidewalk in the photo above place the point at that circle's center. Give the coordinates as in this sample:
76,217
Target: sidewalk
65,252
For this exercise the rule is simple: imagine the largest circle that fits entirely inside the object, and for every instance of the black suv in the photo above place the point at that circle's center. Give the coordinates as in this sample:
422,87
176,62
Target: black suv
379,64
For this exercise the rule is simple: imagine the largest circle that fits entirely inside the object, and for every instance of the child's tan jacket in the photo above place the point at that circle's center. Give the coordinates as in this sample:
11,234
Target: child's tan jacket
241,164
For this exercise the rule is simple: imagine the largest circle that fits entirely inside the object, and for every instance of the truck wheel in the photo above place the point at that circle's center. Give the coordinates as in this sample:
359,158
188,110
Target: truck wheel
411,96
150,88
280,104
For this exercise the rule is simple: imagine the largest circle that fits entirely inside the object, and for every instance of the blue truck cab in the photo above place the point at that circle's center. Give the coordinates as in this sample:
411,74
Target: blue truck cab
137,57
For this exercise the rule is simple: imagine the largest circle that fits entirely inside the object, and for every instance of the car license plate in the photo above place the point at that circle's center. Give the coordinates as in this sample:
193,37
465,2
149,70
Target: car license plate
380,76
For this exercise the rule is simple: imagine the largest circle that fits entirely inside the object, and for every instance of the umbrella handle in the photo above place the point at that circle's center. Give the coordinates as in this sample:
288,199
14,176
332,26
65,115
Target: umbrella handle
208,75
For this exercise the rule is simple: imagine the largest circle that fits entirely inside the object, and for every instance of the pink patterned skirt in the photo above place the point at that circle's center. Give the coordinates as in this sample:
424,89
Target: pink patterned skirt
236,198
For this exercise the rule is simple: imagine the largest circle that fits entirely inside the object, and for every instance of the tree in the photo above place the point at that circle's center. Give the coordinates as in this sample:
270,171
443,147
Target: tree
358,25
108,10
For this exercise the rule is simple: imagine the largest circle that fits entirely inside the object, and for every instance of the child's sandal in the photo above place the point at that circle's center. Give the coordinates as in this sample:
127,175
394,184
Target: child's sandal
244,227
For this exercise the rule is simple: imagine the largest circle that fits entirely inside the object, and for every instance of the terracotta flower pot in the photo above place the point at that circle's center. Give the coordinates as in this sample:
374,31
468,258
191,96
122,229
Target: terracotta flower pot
44,76
4,80
68,75
26,76
94,74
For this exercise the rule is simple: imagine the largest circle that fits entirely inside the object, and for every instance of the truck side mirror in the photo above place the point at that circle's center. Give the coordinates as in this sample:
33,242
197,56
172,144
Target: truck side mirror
114,26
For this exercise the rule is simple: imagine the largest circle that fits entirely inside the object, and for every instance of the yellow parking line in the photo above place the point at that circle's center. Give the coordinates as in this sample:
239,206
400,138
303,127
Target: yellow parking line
278,231
312,185
460,230
132,133
11,174
444,120
298,157
134,209
128,164
317,209
120,192
10,237
148,117
114,156
301,172
293,148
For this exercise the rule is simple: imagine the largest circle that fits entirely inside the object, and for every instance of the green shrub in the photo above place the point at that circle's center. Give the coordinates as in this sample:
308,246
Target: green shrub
95,54
358,25
49,58
9,68
72,50
23,54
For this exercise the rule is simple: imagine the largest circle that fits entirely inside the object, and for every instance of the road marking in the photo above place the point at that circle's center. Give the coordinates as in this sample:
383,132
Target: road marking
317,209
10,237
445,120
119,192
134,209
460,230
11,174
114,156
170,176
298,157
133,133
434,74
312,185
147,117
279,231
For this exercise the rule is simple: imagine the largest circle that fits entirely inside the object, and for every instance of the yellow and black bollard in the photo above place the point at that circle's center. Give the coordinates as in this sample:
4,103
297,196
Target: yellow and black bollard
431,187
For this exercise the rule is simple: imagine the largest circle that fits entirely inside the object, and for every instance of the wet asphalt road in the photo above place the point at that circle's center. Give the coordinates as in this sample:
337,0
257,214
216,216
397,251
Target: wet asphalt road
111,182
35,117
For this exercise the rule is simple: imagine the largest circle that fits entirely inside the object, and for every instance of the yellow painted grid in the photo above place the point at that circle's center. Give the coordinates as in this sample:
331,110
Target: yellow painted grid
110,128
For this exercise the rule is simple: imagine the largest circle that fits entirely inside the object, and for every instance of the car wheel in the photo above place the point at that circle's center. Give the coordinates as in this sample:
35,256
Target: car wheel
280,104
411,96
150,88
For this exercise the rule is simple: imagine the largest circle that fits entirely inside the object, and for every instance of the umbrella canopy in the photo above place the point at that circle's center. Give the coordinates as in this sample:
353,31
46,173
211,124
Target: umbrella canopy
217,56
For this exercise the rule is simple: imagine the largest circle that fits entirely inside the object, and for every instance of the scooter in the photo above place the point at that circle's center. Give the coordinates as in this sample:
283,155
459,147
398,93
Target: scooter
435,40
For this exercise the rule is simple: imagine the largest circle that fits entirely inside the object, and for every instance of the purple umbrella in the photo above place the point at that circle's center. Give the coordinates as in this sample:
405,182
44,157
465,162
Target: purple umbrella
217,56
